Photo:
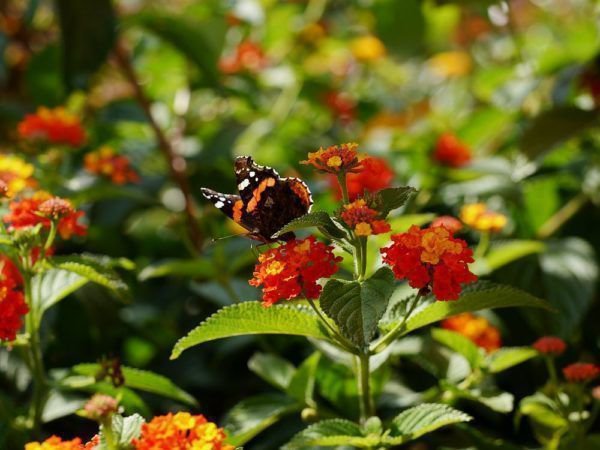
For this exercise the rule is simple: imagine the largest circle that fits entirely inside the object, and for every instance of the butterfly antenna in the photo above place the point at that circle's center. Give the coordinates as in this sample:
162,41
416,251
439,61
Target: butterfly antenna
215,240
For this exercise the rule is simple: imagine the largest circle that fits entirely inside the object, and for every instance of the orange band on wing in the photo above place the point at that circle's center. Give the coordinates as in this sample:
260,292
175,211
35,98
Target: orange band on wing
257,193
237,211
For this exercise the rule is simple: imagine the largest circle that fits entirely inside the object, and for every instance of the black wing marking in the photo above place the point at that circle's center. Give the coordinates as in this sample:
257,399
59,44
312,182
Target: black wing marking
223,202
249,175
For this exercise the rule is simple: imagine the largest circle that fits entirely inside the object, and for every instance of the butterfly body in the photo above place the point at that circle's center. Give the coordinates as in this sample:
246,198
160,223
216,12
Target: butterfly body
266,202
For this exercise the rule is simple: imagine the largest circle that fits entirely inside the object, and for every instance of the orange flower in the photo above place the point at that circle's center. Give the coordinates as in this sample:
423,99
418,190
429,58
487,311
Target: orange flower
16,174
12,301
367,48
26,213
374,174
181,431
431,258
450,64
363,220
56,443
452,224
334,159
449,151
105,162
293,269
54,126
478,217
341,105
550,345
478,329
248,57
581,372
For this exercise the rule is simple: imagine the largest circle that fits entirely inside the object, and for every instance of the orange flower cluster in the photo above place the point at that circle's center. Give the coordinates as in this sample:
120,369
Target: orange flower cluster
374,175
248,57
334,159
341,106
16,174
449,151
363,220
478,329
293,269
12,300
105,162
550,345
26,213
54,126
452,224
478,217
431,258
56,443
581,372
181,431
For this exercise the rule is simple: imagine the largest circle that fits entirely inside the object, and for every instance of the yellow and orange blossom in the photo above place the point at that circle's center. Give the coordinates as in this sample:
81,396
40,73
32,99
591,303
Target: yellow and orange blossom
16,173
478,329
478,217
367,48
450,64
334,159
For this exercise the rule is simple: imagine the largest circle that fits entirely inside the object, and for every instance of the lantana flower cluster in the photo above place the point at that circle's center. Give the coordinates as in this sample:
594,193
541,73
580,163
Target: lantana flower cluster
52,126
12,301
450,151
56,443
477,328
107,163
479,217
16,173
364,221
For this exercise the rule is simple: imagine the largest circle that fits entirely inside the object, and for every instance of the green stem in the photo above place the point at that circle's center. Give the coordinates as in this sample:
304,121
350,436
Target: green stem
344,187
367,408
51,236
551,370
109,435
484,244
345,343
362,250
383,343
553,224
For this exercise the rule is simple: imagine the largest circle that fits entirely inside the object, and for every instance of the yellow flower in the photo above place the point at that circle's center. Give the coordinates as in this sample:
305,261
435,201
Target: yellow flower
367,48
478,217
16,173
450,64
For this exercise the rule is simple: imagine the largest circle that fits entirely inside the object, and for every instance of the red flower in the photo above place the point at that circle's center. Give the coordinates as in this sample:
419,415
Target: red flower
374,175
334,159
293,269
181,431
248,57
55,126
12,301
452,224
105,162
581,372
478,329
550,345
431,258
341,106
449,151
363,220
26,213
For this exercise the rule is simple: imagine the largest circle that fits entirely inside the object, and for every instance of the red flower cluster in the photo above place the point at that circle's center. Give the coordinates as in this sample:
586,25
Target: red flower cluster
581,372
341,106
335,159
478,329
452,224
363,220
27,213
374,175
12,301
105,162
181,431
550,345
431,257
55,126
449,151
293,269
248,57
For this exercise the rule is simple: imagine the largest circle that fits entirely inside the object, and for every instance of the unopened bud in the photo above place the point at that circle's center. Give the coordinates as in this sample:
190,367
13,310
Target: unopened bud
100,407
55,208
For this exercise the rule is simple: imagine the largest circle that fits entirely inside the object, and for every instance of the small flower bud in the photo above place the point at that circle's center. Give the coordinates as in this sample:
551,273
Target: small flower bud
309,415
56,208
100,407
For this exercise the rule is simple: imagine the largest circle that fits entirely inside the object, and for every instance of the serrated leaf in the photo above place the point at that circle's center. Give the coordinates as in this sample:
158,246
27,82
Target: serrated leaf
499,401
423,419
460,344
273,369
318,219
52,286
331,433
253,318
508,357
506,252
389,199
302,385
543,410
253,415
194,268
125,429
356,307
475,297
143,380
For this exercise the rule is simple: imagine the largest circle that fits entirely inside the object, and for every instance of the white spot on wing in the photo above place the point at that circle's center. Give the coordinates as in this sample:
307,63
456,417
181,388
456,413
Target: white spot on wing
244,184
219,204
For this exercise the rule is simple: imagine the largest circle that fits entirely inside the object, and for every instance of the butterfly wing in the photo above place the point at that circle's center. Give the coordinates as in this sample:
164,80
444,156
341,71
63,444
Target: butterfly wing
228,204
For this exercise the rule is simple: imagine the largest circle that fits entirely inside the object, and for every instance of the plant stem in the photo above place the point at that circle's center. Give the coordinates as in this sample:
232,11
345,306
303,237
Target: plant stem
383,343
551,370
108,434
176,163
344,187
345,343
484,244
364,387
553,224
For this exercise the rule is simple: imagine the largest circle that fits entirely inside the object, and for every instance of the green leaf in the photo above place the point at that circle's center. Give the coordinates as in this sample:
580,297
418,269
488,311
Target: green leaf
125,429
475,297
356,307
423,419
192,268
460,344
302,385
253,318
318,219
88,32
253,415
331,433
543,410
52,286
389,199
508,357
273,369
143,381
499,401
400,25
553,127
506,252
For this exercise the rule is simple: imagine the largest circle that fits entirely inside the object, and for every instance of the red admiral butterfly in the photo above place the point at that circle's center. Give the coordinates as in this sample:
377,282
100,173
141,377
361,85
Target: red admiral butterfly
266,201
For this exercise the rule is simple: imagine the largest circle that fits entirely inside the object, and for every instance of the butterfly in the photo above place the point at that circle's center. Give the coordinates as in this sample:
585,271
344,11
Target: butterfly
266,202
